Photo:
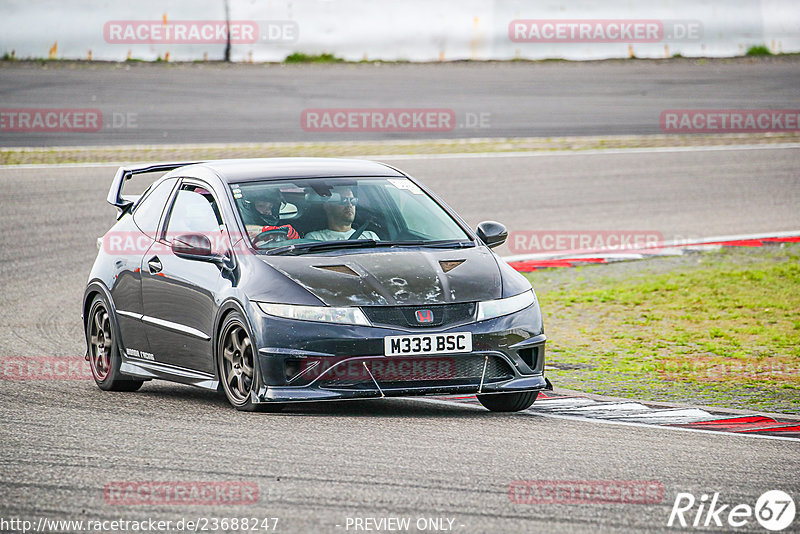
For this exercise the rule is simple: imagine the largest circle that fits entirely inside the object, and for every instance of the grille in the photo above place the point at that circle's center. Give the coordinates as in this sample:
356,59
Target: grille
430,370
443,314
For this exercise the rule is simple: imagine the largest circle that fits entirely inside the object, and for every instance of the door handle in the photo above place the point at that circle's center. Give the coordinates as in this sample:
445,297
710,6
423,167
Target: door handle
154,265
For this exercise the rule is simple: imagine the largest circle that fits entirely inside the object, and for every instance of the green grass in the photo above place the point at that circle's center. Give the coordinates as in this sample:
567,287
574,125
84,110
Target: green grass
299,57
758,50
721,331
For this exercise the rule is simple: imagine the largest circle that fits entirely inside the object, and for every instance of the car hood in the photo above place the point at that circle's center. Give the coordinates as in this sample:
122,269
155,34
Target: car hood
398,277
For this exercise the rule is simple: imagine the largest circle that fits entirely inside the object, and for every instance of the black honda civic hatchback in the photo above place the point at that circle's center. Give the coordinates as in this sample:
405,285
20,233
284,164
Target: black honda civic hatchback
289,280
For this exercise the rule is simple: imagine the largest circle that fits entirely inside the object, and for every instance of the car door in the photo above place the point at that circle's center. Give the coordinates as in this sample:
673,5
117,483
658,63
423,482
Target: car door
178,295
128,243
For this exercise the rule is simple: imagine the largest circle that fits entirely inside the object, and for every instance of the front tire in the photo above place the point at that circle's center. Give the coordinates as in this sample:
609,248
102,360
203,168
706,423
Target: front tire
508,402
238,369
104,357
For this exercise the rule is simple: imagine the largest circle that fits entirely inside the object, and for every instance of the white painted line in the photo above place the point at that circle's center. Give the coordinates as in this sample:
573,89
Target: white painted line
677,251
610,421
629,411
184,146
399,157
64,165
616,256
563,404
578,152
675,416
606,407
391,142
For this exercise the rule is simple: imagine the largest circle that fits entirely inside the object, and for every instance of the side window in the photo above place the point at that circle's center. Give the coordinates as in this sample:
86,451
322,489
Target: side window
148,212
196,212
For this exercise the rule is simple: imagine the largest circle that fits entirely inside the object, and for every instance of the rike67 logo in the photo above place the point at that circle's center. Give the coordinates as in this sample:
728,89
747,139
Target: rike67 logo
774,510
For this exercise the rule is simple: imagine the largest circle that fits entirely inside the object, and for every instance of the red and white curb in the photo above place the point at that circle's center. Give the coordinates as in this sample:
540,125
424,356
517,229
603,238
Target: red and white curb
637,413
574,258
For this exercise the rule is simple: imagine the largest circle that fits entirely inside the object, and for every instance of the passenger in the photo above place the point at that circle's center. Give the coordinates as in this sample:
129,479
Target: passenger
340,210
263,210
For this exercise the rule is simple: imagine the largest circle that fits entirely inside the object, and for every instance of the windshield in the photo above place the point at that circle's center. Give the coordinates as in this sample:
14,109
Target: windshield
370,211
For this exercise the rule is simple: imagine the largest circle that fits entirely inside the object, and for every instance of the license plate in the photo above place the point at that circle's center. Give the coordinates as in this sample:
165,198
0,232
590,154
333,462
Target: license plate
428,344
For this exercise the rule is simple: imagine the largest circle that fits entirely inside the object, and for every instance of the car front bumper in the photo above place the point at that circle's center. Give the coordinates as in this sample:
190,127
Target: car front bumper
319,361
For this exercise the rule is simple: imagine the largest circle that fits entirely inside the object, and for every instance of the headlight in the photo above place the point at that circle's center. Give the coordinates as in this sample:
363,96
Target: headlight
322,314
496,308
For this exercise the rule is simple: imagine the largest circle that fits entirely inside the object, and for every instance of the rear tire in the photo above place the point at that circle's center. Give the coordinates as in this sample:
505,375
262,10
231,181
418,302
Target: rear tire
508,402
238,369
104,356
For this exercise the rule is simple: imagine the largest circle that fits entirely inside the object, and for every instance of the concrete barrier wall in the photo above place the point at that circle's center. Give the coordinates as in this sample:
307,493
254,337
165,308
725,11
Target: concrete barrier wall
412,30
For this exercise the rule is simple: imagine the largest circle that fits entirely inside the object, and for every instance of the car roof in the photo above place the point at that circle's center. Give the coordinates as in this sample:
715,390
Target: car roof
248,170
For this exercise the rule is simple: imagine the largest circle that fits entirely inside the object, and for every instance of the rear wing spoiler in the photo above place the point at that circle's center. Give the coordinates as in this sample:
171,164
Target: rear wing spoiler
124,204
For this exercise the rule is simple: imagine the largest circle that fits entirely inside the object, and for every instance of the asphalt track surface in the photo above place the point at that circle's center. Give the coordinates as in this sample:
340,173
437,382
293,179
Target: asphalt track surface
315,466
220,103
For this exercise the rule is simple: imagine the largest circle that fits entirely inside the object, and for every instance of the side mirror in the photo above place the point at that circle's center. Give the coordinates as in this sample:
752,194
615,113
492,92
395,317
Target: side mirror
198,247
193,247
492,233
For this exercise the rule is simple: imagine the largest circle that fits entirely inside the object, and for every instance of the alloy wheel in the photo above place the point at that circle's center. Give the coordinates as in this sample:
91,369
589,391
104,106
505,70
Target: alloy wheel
237,363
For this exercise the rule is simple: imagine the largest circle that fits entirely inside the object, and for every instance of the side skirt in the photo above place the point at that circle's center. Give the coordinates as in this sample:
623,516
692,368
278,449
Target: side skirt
150,370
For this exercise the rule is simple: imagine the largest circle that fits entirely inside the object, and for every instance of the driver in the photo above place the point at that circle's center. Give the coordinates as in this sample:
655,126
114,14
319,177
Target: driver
263,214
340,210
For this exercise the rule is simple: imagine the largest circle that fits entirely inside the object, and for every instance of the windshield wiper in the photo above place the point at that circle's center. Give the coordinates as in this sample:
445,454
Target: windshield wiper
447,244
327,245
302,248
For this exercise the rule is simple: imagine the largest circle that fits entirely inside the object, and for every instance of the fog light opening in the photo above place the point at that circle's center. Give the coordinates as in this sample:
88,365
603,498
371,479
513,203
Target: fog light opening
530,356
292,369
